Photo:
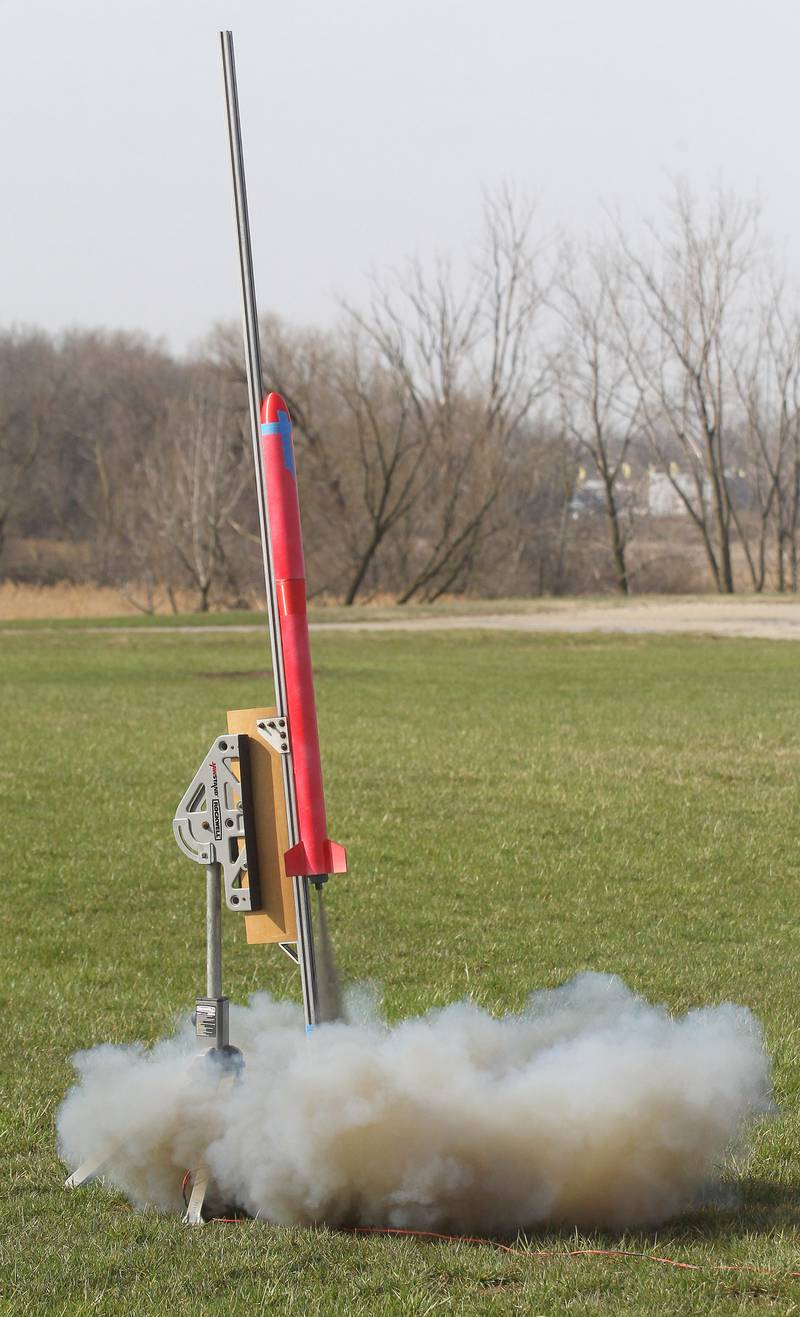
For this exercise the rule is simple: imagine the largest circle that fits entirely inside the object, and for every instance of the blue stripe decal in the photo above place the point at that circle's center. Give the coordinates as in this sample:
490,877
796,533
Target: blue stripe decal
283,427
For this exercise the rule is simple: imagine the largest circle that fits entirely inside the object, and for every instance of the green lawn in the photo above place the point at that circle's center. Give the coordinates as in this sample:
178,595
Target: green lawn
516,808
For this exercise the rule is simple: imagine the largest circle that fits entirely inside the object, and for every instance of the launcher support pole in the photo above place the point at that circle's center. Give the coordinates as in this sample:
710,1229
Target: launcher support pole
212,1010
255,389
213,930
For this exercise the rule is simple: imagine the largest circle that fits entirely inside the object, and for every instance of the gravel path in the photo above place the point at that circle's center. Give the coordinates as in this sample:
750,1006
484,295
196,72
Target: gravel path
757,620
753,618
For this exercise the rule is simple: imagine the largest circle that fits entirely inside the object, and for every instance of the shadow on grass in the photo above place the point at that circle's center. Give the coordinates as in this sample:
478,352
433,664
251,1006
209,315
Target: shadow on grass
747,1208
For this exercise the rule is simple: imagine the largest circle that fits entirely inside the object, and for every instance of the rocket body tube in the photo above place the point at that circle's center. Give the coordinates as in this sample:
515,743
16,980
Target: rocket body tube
314,854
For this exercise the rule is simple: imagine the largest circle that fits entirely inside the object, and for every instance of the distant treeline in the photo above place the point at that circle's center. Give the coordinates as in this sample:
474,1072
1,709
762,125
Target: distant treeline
622,416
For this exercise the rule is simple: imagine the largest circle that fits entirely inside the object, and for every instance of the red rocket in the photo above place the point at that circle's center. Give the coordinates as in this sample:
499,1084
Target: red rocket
314,853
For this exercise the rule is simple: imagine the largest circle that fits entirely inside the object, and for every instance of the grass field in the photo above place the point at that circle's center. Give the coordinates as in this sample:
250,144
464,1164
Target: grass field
516,808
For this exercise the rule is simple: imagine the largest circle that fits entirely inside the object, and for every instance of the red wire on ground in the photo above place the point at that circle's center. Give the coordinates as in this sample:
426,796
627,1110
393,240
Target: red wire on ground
551,1254
572,1252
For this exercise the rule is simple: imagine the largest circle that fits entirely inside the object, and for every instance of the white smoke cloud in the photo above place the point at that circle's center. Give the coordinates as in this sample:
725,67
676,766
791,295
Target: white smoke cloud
590,1108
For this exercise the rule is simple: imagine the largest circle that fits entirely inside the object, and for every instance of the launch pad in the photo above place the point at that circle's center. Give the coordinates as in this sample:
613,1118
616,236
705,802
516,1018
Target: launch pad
254,813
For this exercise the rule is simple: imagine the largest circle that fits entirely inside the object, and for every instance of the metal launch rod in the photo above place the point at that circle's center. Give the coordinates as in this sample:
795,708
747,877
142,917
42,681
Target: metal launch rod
255,389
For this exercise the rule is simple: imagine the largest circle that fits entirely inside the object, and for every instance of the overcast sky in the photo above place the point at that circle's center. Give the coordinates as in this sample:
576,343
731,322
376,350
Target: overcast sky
370,128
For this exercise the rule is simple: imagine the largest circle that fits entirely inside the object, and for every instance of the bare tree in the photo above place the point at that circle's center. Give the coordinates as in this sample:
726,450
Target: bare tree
115,389
357,447
464,361
599,406
683,311
767,376
388,440
530,553
193,480
360,443
29,389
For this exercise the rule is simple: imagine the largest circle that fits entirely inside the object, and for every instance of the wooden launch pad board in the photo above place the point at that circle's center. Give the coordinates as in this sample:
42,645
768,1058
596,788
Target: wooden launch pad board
276,920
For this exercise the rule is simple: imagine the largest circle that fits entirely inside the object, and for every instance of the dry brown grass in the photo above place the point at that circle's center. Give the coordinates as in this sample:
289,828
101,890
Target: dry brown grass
66,599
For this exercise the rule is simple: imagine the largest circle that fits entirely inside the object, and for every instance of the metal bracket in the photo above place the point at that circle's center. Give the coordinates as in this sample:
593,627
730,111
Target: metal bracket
291,951
216,814
275,732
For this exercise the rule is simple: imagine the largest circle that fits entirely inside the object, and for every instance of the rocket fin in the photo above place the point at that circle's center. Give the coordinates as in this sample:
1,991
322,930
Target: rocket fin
336,856
298,864
296,861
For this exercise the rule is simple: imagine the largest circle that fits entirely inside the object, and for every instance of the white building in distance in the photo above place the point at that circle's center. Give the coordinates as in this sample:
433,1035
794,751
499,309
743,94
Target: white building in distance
663,496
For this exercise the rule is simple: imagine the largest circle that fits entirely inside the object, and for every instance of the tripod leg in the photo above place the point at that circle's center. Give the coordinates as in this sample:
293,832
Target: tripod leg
193,1215
91,1169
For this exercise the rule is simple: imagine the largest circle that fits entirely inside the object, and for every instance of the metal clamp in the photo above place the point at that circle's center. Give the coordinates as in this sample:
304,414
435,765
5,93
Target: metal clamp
275,732
214,821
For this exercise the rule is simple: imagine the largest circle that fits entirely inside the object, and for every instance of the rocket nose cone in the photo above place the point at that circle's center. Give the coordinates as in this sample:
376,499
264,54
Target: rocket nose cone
271,406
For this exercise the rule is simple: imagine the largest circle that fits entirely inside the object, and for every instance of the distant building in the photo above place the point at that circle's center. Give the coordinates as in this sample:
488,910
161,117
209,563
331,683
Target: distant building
664,493
654,493
588,496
